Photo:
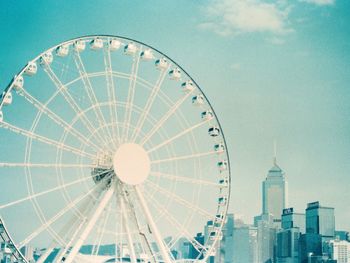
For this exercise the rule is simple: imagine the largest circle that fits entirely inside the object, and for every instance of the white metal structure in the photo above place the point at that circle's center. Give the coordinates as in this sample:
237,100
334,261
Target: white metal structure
101,147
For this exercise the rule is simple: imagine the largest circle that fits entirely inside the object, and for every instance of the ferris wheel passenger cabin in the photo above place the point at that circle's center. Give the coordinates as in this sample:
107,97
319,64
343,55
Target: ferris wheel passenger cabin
96,44
207,115
198,100
114,44
222,165
6,98
214,131
31,69
219,148
187,86
147,55
161,64
62,50
79,45
46,59
130,49
175,74
18,82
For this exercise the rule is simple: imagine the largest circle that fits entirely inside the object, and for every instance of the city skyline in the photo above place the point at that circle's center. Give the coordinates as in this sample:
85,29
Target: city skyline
284,78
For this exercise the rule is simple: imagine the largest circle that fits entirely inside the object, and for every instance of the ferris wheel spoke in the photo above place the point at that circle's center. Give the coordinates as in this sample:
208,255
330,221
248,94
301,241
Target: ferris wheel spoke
178,178
56,217
90,92
70,100
90,224
130,98
149,103
47,165
58,120
177,136
111,92
165,117
147,213
179,226
183,157
44,139
30,197
180,200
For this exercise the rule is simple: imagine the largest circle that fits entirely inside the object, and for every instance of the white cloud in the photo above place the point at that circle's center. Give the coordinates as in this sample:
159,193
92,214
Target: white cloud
319,2
228,17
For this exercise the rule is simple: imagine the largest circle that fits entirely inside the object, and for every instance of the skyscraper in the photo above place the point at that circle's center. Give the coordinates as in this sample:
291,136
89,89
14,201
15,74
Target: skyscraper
320,220
291,219
293,224
274,192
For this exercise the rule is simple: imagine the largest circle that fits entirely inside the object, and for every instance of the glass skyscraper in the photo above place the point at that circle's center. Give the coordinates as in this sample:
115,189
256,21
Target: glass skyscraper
320,220
274,192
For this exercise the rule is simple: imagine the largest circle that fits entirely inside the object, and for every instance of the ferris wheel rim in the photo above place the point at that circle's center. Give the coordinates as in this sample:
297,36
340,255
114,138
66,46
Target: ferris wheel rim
89,37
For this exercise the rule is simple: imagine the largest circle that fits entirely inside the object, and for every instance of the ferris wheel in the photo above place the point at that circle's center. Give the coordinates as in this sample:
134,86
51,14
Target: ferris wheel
108,147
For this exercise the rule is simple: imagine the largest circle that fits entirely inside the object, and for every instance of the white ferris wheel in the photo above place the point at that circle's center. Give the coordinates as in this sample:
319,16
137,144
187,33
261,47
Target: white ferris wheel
108,147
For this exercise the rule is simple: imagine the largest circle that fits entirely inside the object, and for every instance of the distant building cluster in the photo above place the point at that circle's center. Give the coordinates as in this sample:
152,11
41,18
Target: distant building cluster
282,235
278,235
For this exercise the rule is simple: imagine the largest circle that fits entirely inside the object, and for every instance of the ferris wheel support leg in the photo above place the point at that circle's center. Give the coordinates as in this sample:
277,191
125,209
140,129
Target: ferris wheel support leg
164,251
91,223
127,230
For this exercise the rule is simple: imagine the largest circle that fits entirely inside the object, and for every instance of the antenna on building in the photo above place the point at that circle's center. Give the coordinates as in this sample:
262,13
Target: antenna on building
274,153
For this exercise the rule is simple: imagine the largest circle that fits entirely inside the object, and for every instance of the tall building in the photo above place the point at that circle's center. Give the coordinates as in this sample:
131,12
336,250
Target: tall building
266,236
339,250
274,192
245,244
320,227
293,225
239,242
320,220
291,219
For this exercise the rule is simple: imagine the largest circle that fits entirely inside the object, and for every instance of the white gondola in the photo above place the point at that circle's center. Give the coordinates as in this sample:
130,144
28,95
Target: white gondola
79,45
96,44
130,49
1,119
161,63
187,86
212,235
198,100
6,98
62,50
18,82
46,58
219,148
214,131
114,44
219,218
31,69
146,55
222,201
223,165
223,183
207,115
175,74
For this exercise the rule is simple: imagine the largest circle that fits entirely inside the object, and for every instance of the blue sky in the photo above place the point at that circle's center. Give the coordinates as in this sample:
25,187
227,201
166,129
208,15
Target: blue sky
273,70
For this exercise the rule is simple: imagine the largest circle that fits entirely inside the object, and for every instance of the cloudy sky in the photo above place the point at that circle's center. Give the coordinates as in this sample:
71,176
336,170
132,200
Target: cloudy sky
273,70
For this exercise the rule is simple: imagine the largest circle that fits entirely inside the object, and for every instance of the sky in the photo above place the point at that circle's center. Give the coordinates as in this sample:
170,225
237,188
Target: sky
272,70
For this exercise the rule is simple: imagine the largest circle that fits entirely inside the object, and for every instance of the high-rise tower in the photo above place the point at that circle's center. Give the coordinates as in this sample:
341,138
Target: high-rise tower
274,192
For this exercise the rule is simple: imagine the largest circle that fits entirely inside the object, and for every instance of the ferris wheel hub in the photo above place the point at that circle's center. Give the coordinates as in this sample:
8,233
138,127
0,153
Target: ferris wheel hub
131,164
